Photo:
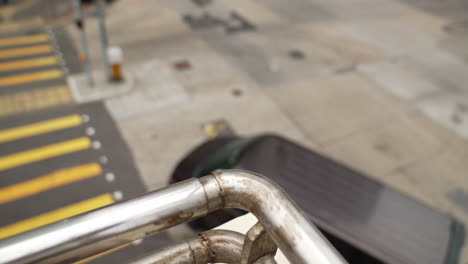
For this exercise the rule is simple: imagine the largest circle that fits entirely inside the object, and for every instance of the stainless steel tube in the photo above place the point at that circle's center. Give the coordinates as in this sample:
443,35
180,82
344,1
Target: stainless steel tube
295,235
216,246
94,232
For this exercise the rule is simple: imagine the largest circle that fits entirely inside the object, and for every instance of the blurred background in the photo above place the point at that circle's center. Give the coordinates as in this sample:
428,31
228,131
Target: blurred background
100,100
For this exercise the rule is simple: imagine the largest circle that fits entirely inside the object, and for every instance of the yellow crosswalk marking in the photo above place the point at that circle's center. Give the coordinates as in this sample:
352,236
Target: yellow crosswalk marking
42,153
28,64
38,128
34,100
56,215
49,181
30,77
27,51
22,40
107,252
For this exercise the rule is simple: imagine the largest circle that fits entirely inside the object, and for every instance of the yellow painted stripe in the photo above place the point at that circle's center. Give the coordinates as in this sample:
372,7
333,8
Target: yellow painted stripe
34,100
22,40
49,181
42,153
30,77
28,64
55,215
38,128
27,51
107,252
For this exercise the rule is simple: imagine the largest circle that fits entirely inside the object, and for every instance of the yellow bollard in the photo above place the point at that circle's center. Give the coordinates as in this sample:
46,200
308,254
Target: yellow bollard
115,60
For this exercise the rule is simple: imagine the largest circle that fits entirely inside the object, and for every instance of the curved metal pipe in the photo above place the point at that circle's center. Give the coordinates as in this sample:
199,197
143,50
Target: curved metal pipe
99,230
216,246
295,235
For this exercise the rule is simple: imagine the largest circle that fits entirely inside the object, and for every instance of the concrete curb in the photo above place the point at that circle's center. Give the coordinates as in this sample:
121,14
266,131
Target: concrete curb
101,90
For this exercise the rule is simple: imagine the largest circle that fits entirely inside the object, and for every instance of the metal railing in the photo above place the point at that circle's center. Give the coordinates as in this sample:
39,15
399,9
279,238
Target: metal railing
97,231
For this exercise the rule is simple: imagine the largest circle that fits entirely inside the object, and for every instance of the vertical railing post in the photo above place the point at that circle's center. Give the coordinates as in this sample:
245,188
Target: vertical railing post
84,42
100,14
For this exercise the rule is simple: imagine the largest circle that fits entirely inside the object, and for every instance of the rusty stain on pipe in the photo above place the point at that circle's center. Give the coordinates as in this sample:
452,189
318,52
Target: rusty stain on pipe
216,246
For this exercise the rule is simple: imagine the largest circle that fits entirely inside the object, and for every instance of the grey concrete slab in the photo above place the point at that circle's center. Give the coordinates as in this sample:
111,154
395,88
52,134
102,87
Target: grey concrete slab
453,9
234,46
447,70
441,173
206,68
390,37
298,11
431,24
255,12
448,109
270,64
350,50
399,80
456,44
247,56
385,148
151,92
184,6
318,59
362,10
336,106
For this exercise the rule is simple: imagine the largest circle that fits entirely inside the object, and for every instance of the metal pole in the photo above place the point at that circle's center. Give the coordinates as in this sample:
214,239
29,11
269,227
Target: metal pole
100,14
97,231
84,42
